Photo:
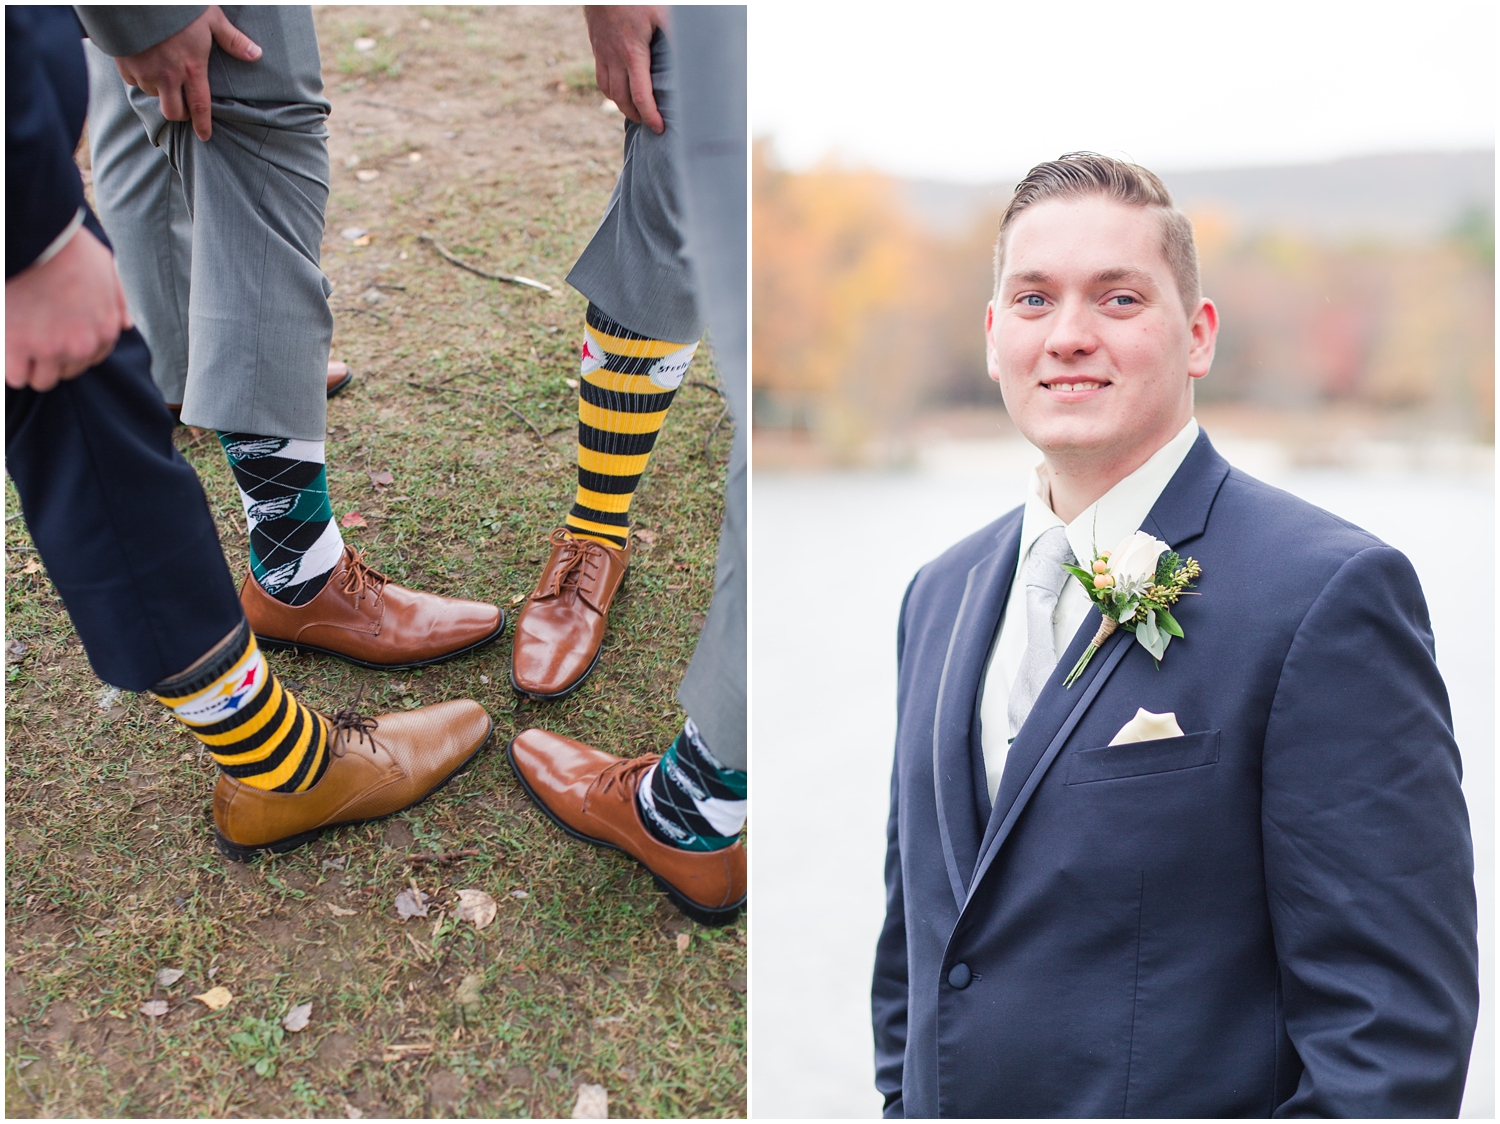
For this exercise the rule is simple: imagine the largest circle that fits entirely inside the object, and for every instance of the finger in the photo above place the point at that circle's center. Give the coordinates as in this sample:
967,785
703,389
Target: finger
617,88
232,40
200,104
645,102
17,368
641,94
43,375
172,108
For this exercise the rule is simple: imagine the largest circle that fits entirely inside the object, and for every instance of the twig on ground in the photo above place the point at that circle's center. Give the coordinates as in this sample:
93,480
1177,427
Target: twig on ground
397,108
510,279
364,311
13,518
445,857
478,394
706,386
383,285
724,413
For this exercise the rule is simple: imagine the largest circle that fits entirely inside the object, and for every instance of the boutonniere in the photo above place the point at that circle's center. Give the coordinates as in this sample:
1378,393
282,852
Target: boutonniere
1135,587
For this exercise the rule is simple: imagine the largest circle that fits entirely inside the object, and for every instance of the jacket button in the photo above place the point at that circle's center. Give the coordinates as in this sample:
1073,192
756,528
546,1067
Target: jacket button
959,977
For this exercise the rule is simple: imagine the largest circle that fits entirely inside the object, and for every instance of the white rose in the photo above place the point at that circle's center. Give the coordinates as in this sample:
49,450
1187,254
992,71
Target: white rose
1133,562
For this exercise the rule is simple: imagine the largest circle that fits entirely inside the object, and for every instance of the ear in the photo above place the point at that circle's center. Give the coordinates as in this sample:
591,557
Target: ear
1204,332
991,353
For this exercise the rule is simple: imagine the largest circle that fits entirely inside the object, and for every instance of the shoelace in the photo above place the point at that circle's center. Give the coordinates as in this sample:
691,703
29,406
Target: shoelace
359,575
350,721
573,562
622,771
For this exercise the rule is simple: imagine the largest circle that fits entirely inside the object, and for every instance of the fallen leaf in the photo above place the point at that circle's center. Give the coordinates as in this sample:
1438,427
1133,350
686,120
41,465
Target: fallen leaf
365,175
364,45
645,535
518,598
352,233
414,157
468,993
168,976
572,383
298,1017
372,295
352,1113
592,1104
608,106
108,697
365,241
383,478
215,998
519,895
337,862
154,1009
475,906
32,567
353,519
683,940
412,903
16,651
485,679
340,911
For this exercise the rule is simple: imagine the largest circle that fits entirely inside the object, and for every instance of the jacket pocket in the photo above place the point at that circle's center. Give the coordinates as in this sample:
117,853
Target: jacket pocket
1141,759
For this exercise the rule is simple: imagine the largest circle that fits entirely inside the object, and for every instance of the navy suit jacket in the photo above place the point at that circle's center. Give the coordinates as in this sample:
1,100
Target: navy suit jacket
1271,915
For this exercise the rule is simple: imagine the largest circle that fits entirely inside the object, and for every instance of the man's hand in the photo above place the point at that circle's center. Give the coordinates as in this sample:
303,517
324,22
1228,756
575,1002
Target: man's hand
63,316
175,71
621,38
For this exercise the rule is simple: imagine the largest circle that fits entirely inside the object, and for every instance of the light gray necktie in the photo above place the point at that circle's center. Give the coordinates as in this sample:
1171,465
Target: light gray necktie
1044,581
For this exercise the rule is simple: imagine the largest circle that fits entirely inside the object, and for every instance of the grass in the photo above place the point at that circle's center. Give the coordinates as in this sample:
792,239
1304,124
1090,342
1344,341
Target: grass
110,872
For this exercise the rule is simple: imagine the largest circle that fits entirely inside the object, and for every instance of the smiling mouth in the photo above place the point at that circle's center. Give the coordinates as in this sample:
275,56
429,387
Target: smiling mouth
1074,387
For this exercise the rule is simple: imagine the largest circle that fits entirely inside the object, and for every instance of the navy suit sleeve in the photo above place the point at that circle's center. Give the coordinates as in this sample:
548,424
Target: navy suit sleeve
888,998
43,189
1369,863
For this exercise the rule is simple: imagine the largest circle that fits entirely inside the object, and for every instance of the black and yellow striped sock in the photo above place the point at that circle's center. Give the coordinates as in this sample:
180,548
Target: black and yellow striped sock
254,727
628,381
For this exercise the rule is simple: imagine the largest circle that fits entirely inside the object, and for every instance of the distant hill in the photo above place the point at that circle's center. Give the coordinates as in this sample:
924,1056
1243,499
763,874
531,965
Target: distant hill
1406,196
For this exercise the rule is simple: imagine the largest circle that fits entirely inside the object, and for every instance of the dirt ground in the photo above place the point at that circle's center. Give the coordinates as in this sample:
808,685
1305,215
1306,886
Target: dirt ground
485,133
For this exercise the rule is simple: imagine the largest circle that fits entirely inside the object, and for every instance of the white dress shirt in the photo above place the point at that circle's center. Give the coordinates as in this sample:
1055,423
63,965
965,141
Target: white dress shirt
1104,524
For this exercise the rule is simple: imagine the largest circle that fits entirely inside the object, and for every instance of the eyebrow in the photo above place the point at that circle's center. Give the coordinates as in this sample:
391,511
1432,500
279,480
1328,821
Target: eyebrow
1103,277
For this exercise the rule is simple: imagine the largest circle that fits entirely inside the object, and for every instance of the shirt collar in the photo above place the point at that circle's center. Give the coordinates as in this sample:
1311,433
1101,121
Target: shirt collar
1106,522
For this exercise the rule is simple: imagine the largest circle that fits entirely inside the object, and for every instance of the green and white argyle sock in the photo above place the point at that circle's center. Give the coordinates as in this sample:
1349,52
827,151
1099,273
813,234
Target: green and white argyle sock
691,801
294,542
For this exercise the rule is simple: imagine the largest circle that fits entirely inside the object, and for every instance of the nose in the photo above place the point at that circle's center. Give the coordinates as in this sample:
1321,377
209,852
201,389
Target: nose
1071,332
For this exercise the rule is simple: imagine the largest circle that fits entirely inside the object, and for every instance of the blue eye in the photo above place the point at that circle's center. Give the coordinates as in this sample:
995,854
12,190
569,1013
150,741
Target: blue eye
1033,301
1125,299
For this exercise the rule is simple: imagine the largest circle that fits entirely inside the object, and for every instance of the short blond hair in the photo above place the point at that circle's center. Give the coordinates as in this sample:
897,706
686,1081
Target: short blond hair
1075,175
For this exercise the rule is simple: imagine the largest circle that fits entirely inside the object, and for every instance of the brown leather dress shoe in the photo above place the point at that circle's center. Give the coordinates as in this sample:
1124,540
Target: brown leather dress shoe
377,767
362,617
561,627
591,796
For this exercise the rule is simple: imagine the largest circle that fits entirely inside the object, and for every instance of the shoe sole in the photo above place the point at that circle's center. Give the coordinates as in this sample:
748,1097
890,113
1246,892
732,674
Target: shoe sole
239,853
712,918
270,643
337,387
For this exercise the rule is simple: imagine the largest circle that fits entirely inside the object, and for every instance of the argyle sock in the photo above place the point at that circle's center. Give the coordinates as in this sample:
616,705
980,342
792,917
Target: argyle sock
254,727
628,381
294,542
689,800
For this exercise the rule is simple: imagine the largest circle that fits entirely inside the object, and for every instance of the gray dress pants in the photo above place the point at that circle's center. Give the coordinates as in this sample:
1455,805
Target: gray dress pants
710,147
218,243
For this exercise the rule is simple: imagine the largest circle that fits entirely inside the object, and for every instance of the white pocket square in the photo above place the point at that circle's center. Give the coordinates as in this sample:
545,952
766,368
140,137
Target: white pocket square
1146,727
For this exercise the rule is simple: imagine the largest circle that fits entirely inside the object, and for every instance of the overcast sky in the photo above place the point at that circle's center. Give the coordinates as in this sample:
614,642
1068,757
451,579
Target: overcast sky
979,92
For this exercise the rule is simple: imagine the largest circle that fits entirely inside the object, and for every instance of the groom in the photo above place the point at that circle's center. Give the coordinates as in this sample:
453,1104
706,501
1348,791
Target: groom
1234,882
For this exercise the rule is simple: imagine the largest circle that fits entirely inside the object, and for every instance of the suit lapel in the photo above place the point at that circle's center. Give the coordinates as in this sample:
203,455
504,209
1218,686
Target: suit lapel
1179,516
973,634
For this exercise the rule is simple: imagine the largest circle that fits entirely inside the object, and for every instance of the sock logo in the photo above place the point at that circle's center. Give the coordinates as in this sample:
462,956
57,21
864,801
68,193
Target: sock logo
667,372
255,447
273,508
593,354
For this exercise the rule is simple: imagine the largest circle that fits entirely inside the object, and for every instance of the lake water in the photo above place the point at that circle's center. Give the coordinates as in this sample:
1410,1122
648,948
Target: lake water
832,554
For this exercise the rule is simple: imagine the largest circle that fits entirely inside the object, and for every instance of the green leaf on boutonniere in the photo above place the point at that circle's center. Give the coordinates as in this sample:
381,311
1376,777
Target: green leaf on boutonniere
1168,623
1153,639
